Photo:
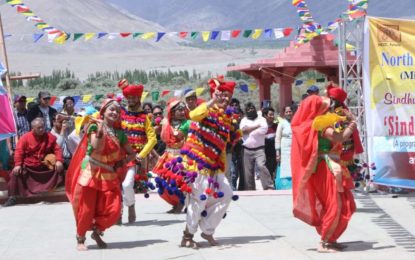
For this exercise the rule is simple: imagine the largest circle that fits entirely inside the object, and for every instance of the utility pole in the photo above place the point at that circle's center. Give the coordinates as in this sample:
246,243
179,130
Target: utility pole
7,74
5,60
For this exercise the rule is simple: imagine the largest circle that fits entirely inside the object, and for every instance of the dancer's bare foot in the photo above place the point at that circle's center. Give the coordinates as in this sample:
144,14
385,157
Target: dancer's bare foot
210,239
80,246
187,241
324,247
100,243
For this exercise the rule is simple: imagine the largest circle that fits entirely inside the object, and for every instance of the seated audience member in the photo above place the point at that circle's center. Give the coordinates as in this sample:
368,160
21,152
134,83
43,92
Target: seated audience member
38,163
60,131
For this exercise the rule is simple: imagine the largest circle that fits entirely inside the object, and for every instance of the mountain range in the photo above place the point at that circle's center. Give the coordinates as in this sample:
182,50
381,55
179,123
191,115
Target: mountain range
249,14
82,16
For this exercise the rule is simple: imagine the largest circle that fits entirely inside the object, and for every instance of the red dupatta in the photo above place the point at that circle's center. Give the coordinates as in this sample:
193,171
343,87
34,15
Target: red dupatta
74,169
304,155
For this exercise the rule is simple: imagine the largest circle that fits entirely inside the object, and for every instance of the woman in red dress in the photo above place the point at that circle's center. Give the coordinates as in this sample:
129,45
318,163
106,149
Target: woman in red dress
321,183
94,177
173,133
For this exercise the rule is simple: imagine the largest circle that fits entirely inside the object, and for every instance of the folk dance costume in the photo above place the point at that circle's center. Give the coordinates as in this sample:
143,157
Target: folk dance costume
93,179
173,134
142,138
199,169
321,183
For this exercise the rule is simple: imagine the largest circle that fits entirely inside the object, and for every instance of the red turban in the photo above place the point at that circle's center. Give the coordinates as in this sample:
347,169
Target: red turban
336,92
130,90
221,85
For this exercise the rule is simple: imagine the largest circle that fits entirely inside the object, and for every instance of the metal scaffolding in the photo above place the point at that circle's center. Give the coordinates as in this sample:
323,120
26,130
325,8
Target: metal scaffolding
350,44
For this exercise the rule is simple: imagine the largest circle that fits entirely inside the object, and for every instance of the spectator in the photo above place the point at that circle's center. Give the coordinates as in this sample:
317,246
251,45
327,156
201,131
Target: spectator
43,109
270,152
235,162
20,115
38,163
148,108
254,128
69,106
157,125
191,99
69,109
313,90
60,131
283,141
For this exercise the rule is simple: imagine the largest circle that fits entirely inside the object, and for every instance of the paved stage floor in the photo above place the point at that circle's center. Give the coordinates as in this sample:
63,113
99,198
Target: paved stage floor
258,226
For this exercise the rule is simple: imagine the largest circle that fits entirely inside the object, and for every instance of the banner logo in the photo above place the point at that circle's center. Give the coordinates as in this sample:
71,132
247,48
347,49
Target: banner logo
388,33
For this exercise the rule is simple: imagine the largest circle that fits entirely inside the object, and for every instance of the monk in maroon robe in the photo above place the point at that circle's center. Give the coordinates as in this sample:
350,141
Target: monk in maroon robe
38,164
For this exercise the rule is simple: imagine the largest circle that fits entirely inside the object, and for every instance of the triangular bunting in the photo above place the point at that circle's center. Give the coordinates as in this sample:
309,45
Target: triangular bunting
205,36
235,33
247,33
159,36
37,36
214,35
194,35
76,36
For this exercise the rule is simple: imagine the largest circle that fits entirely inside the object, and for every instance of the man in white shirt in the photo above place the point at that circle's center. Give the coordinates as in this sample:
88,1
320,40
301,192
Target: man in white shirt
254,129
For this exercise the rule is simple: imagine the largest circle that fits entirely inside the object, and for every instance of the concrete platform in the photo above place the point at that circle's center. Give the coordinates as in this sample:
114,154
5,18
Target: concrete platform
258,226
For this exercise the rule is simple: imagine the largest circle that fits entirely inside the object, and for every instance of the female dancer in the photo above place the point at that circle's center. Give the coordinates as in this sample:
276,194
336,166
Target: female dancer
173,134
321,184
94,177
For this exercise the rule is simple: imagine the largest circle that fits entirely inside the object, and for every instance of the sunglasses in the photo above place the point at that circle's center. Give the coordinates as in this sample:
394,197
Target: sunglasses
46,98
158,114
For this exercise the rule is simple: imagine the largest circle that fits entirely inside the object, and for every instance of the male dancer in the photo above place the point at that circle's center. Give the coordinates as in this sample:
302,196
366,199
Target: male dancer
204,152
141,136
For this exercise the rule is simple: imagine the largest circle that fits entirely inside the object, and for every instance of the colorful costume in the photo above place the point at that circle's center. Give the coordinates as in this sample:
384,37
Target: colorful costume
141,137
34,154
174,136
92,186
315,164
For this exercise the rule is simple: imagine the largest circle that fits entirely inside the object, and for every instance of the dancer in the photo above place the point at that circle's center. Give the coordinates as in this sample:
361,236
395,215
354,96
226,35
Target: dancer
204,158
95,174
173,134
141,136
321,184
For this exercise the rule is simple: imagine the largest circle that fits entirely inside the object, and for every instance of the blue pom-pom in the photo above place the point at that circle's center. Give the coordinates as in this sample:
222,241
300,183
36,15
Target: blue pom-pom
224,215
179,159
173,183
146,195
235,197
220,194
157,179
181,201
203,197
204,213
160,191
